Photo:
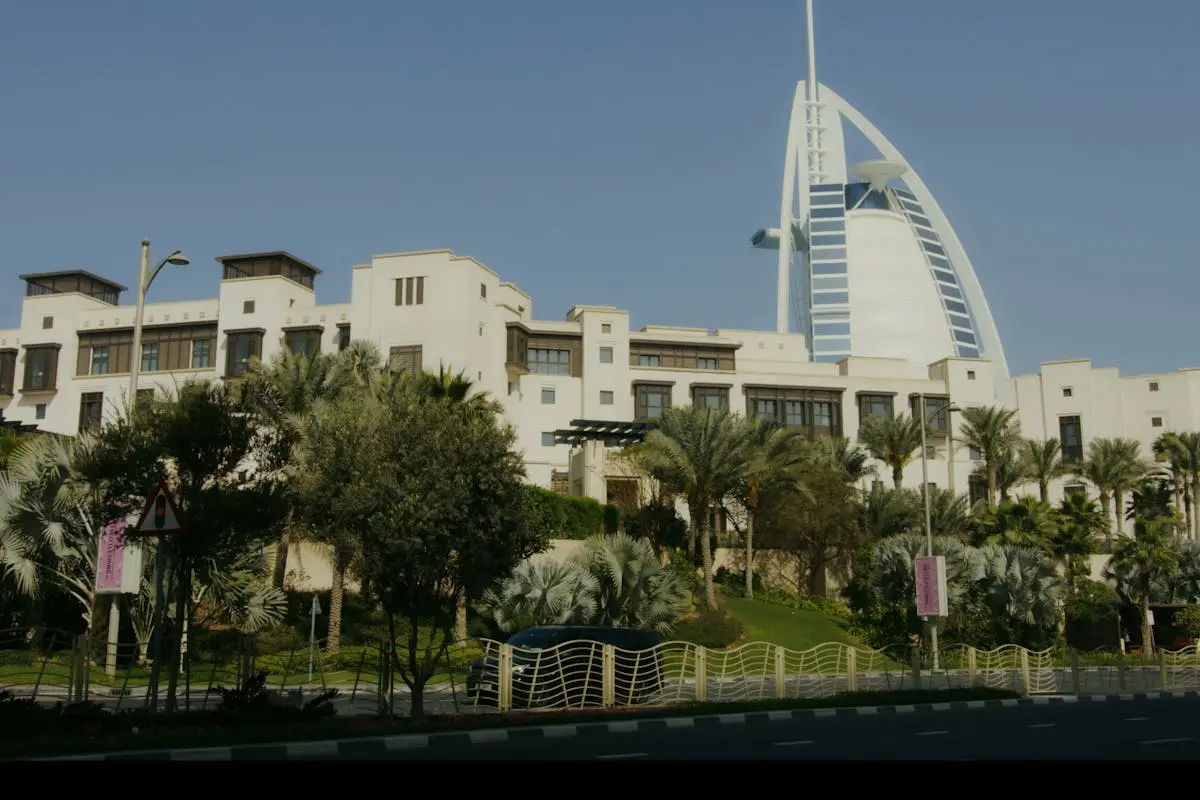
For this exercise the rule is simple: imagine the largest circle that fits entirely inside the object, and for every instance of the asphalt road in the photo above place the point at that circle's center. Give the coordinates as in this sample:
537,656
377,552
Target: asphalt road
1138,729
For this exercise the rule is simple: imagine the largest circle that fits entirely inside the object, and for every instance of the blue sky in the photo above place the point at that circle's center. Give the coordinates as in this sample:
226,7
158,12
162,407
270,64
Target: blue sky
580,148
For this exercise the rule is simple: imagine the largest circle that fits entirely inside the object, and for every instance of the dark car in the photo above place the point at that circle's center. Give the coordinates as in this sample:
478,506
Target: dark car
561,666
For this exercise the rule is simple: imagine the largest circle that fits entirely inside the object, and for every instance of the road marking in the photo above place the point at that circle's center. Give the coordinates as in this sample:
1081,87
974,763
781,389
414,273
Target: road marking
622,755
1170,741
1136,719
1045,725
793,744
931,733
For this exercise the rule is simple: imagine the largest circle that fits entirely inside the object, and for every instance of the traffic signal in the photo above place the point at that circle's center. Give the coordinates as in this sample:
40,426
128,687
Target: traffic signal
160,512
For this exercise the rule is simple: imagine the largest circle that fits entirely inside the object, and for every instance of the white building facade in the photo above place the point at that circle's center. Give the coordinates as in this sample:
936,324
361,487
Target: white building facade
66,367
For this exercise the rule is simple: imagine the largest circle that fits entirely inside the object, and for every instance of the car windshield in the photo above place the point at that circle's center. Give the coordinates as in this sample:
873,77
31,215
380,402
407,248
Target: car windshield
535,638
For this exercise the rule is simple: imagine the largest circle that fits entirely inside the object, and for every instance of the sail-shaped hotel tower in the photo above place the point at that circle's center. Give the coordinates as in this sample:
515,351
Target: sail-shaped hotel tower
869,264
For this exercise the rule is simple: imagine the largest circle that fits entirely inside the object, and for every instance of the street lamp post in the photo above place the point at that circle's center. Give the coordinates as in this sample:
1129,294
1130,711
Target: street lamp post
146,277
949,409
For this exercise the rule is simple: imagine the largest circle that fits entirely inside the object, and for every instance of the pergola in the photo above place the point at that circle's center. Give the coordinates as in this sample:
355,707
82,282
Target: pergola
613,434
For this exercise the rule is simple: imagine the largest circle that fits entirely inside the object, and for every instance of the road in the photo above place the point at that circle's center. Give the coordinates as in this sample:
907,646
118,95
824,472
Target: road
1133,729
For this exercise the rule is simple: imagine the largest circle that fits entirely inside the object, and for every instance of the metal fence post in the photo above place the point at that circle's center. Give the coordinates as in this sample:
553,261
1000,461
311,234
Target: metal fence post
972,666
701,674
1162,668
916,668
780,673
608,676
851,669
504,700
384,705
1076,681
1025,681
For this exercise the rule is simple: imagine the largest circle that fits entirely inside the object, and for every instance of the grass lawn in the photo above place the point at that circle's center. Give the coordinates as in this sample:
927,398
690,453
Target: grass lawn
787,627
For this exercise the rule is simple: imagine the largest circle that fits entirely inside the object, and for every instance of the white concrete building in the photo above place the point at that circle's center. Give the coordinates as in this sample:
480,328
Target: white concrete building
67,364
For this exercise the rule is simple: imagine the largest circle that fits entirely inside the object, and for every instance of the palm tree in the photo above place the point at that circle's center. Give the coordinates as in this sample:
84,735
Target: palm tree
851,459
1182,452
775,455
892,440
992,432
948,513
1028,522
453,389
1009,474
1041,462
1151,498
1141,563
699,453
543,591
894,580
889,512
1080,520
633,588
1113,466
1023,587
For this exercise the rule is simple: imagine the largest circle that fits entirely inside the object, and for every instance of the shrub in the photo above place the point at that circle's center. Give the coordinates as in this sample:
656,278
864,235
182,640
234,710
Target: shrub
715,629
560,516
1189,620
1093,601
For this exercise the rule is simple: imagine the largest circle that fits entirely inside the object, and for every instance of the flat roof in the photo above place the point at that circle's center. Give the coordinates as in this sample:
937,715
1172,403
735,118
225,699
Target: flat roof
269,254
66,273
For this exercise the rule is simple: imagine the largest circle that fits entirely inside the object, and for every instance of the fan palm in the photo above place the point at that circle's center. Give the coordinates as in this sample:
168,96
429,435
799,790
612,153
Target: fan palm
634,590
894,440
894,580
1022,585
993,432
543,591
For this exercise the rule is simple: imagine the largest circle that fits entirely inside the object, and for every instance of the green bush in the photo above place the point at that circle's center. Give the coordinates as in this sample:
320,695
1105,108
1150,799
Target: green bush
560,516
715,629
1093,601
1189,620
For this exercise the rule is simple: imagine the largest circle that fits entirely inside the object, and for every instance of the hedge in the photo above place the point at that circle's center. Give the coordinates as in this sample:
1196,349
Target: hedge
561,516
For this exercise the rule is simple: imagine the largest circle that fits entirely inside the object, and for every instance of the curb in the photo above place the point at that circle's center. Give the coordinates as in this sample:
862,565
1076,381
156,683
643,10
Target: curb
380,745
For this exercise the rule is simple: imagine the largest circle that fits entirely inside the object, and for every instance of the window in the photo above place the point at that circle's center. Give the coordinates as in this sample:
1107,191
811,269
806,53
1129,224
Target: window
970,374
646,354
247,306
202,354
715,398
1070,433
974,454
549,362
1068,391
1156,422
410,291
650,400
977,489
150,357
239,349
303,342
8,371
817,410
706,363
483,291
937,415
99,361
547,397
39,411
606,355
649,361
1074,489
548,439
406,359
606,327
41,369
606,397
47,323
481,326
145,398
930,452
91,410
343,338
875,405
1154,386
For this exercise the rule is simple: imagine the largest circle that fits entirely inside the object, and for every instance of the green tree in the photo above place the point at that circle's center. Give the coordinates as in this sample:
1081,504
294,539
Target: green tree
450,523
1023,590
700,454
894,440
888,512
852,460
1080,521
1182,452
1041,462
633,589
1140,564
1025,522
1114,467
994,433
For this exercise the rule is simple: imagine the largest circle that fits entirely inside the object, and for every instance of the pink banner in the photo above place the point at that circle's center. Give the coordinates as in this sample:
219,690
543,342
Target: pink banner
928,599
110,560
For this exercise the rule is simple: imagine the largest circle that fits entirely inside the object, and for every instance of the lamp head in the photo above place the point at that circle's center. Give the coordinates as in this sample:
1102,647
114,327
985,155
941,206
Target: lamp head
178,259
953,409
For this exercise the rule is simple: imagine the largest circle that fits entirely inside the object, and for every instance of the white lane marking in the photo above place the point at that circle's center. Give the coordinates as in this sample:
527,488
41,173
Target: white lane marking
793,744
1044,725
1136,719
932,733
622,755
1170,741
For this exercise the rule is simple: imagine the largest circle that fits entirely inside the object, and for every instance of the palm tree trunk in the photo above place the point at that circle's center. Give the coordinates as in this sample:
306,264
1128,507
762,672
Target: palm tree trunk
1186,495
898,475
1119,503
183,598
1107,506
1195,510
710,595
336,593
992,483
1147,631
279,568
460,619
1044,490
750,555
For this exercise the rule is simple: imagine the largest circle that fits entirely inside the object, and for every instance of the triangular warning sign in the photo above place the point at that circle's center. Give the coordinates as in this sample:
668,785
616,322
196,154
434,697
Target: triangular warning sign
161,516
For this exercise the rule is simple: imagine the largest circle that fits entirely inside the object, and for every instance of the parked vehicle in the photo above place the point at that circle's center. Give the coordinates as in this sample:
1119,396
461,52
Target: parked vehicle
562,666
